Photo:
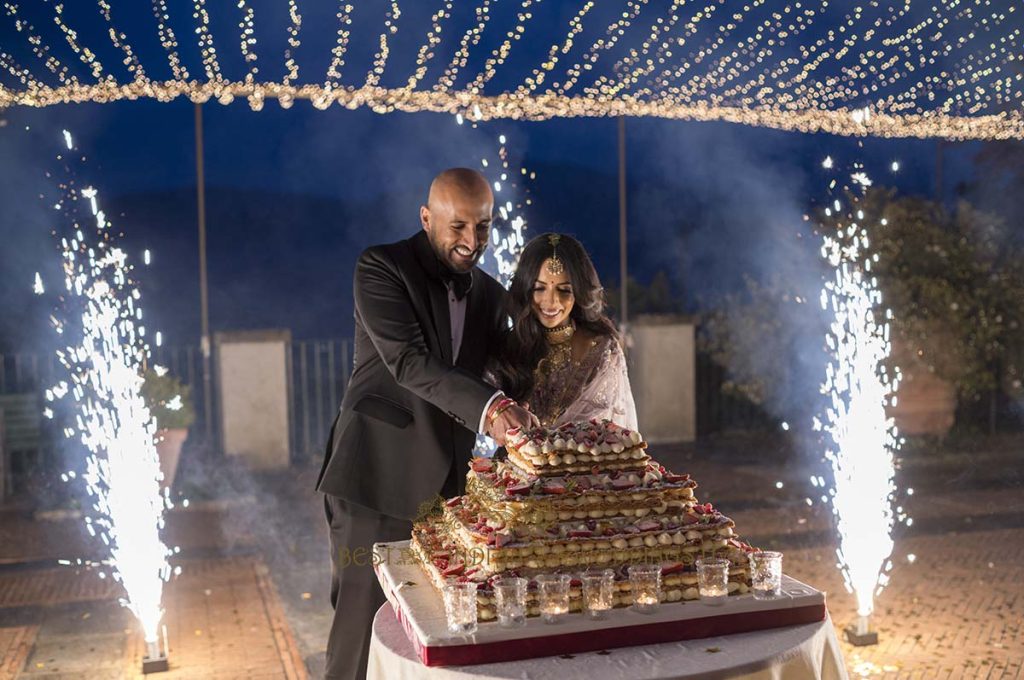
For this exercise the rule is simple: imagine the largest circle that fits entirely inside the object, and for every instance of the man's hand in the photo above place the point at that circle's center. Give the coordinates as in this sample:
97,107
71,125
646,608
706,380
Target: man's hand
514,416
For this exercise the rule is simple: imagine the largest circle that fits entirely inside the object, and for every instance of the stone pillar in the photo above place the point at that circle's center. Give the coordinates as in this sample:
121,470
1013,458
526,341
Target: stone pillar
663,375
252,369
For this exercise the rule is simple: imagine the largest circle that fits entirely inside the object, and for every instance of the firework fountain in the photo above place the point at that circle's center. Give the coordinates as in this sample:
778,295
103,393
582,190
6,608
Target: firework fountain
862,439
100,320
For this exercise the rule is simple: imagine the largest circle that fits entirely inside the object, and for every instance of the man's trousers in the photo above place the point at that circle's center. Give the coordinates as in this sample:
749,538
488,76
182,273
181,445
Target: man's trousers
355,594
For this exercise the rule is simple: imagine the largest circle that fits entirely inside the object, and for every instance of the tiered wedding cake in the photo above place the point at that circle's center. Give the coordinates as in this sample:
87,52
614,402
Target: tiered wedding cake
585,495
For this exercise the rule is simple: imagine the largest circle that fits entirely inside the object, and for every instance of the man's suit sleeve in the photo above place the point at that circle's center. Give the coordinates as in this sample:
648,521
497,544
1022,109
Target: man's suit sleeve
384,305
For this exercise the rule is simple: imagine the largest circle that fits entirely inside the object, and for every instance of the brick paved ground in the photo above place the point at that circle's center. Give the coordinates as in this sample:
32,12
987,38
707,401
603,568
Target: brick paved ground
223,618
16,644
956,611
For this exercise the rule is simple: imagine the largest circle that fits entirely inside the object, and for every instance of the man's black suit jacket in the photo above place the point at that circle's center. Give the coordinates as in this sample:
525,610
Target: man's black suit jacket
409,416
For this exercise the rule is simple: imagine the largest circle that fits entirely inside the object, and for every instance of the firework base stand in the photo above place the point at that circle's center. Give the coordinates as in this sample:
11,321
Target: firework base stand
787,637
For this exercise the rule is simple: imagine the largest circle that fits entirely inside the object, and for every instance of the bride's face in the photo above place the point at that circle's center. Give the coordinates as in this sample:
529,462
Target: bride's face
552,297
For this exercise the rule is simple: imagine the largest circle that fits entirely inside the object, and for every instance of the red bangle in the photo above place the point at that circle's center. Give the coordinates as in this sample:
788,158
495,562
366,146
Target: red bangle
498,407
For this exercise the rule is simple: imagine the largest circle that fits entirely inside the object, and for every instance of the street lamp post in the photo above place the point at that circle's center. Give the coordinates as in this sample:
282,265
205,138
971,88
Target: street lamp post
204,302
623,269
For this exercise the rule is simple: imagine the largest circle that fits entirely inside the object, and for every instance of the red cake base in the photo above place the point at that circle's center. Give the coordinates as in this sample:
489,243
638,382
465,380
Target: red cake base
421,612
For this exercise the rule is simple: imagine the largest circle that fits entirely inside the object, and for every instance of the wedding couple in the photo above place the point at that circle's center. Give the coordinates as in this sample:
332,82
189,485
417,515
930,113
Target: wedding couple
436,362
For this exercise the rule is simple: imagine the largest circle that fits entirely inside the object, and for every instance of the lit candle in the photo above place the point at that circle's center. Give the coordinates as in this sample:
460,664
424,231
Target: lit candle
645,583
553,593
554,608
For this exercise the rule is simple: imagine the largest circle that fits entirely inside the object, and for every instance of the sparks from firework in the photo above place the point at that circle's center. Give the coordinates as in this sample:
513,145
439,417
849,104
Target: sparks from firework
507,232
508,246
104,359
863,439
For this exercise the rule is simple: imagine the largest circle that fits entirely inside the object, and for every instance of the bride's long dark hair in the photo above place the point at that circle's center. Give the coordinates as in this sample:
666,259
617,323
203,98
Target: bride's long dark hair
524,345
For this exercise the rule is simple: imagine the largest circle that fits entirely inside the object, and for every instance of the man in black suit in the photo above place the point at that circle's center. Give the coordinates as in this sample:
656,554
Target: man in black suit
426,320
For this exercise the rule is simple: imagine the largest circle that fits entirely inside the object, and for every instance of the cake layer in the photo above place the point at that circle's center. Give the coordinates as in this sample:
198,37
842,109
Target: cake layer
633,459
577,448
506,493
484,529
608,542
679,581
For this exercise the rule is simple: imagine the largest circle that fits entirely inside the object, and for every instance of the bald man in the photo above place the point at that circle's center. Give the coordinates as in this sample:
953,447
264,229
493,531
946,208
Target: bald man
426,320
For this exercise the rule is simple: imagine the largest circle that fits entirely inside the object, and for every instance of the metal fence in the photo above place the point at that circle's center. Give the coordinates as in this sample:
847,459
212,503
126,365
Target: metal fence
719,410
318,373
27,372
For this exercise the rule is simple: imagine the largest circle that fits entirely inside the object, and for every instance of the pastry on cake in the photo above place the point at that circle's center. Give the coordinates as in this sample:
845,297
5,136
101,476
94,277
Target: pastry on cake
576,448
581,496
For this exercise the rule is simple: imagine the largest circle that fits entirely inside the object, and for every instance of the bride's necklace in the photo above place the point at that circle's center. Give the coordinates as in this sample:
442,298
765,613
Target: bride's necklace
560,334
559,353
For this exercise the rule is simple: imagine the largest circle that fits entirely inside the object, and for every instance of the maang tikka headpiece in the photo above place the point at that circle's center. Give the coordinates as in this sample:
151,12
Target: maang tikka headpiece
555,266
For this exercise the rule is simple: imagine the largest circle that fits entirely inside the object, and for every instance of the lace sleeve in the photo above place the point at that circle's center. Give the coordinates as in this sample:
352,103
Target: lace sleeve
608,394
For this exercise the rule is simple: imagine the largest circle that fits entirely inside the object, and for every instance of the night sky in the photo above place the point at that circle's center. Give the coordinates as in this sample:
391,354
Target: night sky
294,195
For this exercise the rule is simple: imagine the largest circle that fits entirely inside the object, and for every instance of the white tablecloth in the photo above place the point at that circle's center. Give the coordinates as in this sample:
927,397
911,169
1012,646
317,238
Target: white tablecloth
808,651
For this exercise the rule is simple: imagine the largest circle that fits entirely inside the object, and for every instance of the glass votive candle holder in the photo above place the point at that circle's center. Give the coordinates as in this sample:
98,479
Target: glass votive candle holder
766,574
553,596
598,592
460,606
713,580
645,584
510,598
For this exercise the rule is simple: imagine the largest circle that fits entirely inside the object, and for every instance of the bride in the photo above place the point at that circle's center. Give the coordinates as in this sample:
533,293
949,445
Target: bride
562,358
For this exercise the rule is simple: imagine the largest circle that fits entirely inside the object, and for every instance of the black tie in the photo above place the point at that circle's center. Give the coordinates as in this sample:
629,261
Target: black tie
459,283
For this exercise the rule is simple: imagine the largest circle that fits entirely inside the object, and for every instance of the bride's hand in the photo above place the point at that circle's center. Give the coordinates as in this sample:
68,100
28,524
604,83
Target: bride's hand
514,417
534,420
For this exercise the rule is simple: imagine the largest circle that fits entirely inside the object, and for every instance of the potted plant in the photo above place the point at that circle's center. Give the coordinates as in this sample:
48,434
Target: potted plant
170,404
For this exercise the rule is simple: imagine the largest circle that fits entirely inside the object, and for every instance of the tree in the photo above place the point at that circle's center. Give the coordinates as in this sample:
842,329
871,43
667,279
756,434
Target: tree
953,280
654,298
955,284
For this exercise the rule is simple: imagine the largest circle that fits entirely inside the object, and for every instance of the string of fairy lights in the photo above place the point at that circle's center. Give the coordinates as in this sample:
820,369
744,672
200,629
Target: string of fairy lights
333,80
433,39
119,40
563,47
293,44
168,40
953,71
614,31
470,39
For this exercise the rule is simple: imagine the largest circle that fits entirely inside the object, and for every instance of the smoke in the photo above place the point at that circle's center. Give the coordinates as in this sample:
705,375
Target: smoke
388,159
384,166
730,228
25,224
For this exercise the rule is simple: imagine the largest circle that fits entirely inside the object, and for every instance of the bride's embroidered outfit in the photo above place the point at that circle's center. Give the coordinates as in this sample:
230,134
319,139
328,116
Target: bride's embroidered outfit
594,386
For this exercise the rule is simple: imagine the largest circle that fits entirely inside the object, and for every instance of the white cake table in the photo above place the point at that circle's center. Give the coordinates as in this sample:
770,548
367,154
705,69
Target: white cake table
798,652
789,636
